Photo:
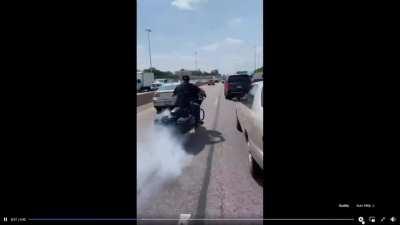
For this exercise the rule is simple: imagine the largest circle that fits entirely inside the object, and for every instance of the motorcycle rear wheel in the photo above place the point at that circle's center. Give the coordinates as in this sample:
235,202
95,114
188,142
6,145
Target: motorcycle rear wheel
202,114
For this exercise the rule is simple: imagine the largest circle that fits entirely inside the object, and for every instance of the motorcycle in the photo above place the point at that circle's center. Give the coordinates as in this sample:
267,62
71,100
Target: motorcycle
182,119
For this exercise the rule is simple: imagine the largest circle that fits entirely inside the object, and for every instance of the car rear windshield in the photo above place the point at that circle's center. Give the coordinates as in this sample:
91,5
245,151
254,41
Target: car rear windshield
167,87
239,78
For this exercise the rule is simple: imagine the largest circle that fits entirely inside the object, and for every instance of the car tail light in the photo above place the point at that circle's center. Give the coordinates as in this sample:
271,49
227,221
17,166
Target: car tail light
156,94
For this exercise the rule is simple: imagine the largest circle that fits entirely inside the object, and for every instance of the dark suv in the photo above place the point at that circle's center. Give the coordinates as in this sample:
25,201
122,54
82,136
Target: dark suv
236,86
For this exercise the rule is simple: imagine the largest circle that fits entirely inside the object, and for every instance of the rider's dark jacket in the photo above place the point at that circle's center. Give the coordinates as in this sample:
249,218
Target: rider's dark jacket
186,92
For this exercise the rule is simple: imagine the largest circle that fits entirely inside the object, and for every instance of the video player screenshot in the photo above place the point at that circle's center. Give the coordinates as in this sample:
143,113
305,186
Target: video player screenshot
209,112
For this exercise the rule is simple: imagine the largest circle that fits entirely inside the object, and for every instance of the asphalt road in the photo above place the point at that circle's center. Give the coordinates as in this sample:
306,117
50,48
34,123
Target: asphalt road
204,173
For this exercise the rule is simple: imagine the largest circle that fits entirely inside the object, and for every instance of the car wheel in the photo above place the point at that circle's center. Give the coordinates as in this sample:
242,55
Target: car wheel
227,97
255,169
238,127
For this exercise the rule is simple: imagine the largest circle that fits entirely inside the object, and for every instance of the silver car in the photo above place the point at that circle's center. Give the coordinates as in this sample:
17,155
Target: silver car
249,121
163,97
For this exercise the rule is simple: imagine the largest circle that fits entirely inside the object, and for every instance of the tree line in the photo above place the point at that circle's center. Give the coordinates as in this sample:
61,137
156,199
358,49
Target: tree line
158,74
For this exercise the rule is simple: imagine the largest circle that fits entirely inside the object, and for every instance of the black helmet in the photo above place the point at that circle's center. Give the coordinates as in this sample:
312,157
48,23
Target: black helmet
185,78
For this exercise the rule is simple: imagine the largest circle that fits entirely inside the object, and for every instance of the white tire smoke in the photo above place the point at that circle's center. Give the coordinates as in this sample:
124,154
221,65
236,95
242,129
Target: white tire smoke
160,158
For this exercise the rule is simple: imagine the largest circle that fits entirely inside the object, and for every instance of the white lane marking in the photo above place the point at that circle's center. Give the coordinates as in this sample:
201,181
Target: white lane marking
216,101
184,219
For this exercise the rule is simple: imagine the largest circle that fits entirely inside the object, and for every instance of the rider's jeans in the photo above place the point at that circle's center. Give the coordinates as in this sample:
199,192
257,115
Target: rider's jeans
196,112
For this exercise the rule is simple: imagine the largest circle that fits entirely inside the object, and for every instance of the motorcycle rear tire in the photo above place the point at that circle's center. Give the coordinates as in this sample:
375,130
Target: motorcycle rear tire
202,114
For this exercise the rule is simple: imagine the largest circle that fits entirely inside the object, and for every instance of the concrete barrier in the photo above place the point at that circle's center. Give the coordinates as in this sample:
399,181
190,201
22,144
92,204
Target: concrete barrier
144,98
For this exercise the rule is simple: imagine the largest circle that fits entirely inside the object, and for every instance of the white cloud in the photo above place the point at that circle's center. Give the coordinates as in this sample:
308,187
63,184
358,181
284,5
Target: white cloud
189,44
210,47
233,41
228,55
235,21
187,4
221,44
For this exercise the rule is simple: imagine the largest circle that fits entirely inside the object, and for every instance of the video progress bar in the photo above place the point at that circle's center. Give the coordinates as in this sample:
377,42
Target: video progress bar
163,219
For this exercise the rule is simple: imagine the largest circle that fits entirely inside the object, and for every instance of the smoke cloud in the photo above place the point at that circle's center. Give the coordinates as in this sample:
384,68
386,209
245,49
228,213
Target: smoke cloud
160,158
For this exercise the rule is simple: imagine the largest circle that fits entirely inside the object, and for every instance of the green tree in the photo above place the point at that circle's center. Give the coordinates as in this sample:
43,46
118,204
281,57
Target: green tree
214,72
158,74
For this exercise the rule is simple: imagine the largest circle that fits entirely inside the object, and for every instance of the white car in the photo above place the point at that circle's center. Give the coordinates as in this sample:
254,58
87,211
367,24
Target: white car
163,97
155,86
249,121
163,81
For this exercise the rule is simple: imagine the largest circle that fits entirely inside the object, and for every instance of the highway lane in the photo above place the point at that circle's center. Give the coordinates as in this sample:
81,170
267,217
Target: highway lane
204,174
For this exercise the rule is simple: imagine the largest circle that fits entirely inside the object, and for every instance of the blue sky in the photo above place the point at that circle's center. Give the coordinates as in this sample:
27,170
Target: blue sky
225,34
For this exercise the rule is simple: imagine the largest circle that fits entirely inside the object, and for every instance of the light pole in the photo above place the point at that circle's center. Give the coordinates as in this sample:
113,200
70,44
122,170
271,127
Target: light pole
148,36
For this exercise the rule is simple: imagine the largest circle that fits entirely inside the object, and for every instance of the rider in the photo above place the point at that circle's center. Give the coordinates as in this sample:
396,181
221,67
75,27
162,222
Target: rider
187,92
